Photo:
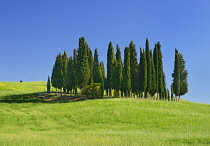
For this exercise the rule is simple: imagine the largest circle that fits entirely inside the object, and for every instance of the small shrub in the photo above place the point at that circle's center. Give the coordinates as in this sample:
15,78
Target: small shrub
93,90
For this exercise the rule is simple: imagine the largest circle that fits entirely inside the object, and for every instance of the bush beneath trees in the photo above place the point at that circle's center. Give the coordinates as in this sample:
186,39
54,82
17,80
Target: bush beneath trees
93,90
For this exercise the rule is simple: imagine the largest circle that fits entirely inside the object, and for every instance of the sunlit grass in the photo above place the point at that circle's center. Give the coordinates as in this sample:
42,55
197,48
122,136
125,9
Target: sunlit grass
105,122
17,88
117,121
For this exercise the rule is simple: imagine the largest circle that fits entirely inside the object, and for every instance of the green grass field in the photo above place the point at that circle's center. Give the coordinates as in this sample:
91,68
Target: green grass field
18,88
117,121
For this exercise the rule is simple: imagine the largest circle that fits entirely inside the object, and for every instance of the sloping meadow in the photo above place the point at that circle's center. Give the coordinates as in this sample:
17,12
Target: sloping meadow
117,121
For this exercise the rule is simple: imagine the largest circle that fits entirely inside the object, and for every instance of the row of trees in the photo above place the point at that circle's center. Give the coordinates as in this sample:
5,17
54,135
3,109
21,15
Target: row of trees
123,78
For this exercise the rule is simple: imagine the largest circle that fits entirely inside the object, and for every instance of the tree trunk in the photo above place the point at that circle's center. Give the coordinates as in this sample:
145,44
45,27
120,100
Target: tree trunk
75,91
110,92
61,93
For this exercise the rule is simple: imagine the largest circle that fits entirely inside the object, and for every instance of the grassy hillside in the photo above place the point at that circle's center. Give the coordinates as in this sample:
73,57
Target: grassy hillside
17,88
117,121
104,122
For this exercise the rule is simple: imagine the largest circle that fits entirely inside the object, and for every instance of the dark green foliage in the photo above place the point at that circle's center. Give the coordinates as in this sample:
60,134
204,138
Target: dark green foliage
156,64
70,80
97,73
180,84
64,69
48,85
130,78
172,91
59,71
110,62
176,74
143,71
74,74
133,67
160,73
153,76
149,68
126,72
83,70
117,73
115,81
53,77
90,62
183,76
103,77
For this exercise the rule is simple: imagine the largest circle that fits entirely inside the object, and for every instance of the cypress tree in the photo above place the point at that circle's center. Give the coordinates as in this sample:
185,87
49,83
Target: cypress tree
172,92
126,72
143,71
161,82
176,74
90,62
183,76
70,79
134,67
156,65
103,78
180,84
64,69
48,85
153,76
119,69
97,74
149,68
83,70
59,73
115,81
74,74
110,62
53,82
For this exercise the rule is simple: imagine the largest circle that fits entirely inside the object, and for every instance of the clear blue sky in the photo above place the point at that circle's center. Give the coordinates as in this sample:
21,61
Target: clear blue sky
32,32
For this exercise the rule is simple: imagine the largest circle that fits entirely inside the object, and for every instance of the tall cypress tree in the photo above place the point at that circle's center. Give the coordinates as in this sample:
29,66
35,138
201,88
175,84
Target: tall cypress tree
48,85
126,72
70,78
153,76
64,69
83,70
74,74
110,62
156,65
149,68
180,84
143,71
172,92
176,75
183,76
119,70
160,73
53,77
97,74
59,72
103,78
90,62
134,67
115,82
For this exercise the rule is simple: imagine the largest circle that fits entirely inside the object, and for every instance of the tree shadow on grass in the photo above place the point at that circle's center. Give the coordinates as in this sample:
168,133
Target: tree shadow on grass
24,98
43,97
